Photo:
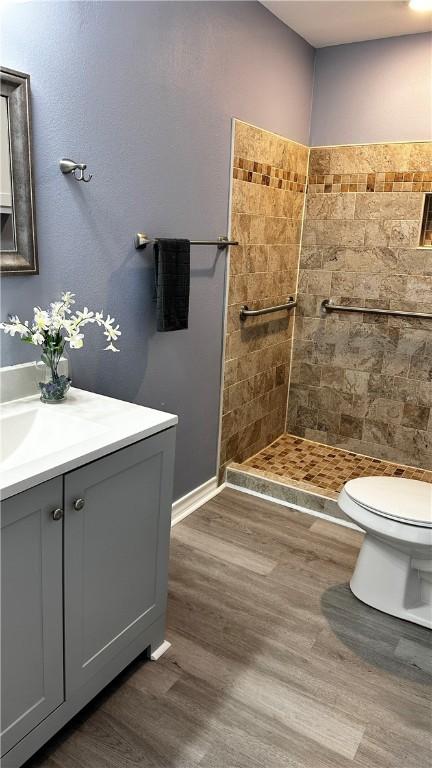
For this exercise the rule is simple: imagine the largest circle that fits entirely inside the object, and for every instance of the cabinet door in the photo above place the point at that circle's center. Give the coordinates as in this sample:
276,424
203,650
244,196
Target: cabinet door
116,552
31,610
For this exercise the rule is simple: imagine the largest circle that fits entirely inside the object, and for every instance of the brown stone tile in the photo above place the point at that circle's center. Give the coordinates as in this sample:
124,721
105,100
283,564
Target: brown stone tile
416,416
333,206
230,373
319,161
333,233
257,229
425,393
386,410
385,205
358,259
318,281
281,375
293,231
307,417
240,227
344,160
274,230
310,374
420,157
351,426
255,258
328,421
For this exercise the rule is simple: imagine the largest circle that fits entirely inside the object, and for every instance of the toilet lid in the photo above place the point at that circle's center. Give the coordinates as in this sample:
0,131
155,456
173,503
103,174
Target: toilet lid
399,498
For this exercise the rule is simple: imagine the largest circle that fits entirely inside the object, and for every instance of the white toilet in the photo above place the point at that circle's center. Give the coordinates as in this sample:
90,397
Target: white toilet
394,568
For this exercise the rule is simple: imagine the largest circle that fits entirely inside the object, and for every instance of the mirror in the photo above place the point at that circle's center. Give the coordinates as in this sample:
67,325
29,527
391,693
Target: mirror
18,253
6,210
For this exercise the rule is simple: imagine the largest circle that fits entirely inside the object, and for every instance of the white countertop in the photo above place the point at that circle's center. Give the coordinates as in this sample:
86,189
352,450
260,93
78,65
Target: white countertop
42,441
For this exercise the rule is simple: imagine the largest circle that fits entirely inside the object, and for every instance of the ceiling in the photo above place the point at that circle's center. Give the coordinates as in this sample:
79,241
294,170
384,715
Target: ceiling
325,23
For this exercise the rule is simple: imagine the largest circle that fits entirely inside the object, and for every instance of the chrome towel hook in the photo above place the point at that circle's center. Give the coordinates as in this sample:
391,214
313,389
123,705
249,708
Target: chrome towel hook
76,169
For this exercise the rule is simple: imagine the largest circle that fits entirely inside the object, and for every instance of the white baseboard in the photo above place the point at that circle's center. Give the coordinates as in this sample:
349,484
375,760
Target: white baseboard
163,648
322,515
194,499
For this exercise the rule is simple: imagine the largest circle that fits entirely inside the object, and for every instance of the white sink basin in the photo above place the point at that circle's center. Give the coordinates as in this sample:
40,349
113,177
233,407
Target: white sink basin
40,441
36,432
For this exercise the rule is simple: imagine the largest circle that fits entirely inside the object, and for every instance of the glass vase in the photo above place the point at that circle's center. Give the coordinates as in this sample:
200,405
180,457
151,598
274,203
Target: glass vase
54,386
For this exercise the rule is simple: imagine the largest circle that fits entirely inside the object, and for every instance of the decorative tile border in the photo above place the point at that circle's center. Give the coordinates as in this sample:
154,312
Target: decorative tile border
278,178
393,181
268,175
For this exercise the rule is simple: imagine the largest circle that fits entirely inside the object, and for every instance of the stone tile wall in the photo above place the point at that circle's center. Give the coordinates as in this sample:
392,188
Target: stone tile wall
269,178
364,382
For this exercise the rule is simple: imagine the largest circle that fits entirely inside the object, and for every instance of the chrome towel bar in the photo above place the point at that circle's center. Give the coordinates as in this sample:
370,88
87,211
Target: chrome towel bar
246,312
327,306
141,240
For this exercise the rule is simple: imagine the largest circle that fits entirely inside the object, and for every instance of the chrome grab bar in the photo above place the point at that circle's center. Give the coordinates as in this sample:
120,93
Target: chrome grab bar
246,312
141,240
327,306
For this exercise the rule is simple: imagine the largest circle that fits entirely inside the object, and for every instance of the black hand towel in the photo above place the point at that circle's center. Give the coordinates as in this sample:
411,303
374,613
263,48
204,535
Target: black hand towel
172,265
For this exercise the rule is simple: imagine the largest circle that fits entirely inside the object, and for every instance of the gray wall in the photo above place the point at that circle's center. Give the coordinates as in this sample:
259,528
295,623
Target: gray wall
377,91
144,93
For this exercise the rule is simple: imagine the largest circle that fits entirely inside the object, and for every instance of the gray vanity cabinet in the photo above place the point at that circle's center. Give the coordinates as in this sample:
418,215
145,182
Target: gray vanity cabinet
31,609
116,553
84,586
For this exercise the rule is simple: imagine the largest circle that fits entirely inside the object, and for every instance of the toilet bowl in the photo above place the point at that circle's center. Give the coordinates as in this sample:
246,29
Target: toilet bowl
393,572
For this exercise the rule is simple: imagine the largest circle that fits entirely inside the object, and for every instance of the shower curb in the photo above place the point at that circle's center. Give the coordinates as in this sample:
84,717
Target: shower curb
303,499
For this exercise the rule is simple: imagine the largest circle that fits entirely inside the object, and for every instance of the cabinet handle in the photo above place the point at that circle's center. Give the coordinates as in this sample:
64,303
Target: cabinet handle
78,504
57,514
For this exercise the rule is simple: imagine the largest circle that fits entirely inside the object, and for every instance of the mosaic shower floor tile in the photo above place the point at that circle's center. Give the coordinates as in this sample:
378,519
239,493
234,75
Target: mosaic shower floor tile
315,466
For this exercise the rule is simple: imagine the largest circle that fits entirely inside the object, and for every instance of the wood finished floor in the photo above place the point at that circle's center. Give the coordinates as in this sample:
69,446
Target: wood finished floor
274,664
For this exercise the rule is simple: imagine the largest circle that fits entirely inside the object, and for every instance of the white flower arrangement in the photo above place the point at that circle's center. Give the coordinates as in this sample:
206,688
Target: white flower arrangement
48,325
52,329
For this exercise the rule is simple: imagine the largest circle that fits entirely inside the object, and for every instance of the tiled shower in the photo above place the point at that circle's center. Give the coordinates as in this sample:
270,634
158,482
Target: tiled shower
342,223
268,190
